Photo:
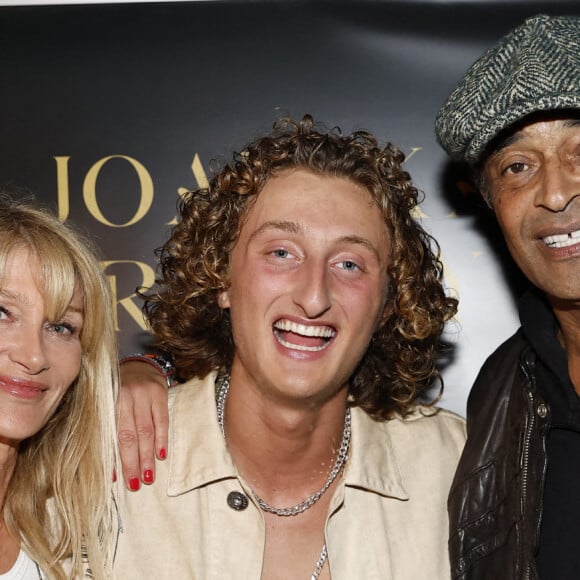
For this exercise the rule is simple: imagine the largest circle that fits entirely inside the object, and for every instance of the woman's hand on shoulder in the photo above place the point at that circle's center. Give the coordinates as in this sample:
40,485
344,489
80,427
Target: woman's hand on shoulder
143,422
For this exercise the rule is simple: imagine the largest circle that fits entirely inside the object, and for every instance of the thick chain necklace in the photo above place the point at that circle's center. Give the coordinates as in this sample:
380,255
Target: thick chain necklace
222,393
223,387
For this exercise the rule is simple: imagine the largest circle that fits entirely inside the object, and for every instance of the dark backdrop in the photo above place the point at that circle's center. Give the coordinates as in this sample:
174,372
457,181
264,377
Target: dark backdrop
108,111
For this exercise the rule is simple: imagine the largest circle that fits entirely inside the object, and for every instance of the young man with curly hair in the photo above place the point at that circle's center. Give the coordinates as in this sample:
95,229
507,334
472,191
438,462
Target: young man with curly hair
302,306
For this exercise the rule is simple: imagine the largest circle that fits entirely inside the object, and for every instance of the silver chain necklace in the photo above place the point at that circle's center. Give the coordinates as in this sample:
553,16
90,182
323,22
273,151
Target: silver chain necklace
319,563
223,385
222,393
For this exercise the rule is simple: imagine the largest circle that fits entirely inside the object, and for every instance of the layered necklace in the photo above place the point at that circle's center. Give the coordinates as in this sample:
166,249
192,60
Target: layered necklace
223,387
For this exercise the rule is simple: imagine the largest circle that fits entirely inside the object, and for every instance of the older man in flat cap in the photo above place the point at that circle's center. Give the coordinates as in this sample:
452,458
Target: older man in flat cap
515,117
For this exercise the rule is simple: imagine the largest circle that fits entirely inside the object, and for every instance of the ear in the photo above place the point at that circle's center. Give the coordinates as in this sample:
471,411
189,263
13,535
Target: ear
223,299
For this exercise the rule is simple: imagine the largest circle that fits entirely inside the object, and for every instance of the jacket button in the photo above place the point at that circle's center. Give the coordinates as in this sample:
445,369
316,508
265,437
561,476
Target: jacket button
237,501
542,410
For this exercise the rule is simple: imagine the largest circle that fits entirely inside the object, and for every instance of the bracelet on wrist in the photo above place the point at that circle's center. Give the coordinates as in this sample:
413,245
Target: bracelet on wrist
163,365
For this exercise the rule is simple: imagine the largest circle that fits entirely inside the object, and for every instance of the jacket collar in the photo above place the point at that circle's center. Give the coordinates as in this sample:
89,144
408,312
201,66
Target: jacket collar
199,454
372,463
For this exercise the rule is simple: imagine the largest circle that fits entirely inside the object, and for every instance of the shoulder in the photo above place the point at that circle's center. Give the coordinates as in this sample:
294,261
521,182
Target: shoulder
419,451
425,433
195,392
493,385
432,426
427,444
507,353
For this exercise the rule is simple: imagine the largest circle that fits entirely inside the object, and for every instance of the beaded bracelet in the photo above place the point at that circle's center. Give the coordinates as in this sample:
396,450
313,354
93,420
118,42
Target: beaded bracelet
163,365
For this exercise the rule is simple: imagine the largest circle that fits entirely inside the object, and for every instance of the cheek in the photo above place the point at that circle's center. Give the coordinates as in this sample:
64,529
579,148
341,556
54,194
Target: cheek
365,304
257,282
511,218
68,364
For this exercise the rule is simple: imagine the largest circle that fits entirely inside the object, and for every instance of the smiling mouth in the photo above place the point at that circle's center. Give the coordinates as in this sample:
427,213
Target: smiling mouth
562,240
303,337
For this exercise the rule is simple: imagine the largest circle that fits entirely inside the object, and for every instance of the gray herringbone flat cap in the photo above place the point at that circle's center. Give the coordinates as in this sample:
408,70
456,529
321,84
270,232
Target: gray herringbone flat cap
536,67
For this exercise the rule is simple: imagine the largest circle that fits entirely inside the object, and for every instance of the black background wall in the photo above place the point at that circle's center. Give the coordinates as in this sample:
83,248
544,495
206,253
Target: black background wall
108,111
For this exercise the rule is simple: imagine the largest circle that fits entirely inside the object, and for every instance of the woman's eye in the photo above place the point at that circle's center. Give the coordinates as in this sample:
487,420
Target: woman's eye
3,313
281,253
62,328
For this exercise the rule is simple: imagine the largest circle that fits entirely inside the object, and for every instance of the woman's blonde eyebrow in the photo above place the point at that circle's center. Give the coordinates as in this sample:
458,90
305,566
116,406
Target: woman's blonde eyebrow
16,296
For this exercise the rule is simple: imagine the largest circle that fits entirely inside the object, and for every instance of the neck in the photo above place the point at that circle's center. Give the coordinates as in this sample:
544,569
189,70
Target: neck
568,316
284,452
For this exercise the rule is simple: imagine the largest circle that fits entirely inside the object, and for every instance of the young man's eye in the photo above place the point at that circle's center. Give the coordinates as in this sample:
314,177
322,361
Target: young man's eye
348,265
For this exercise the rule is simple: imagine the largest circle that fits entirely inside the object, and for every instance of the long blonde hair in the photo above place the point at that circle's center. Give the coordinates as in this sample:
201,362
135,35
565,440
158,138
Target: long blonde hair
59,501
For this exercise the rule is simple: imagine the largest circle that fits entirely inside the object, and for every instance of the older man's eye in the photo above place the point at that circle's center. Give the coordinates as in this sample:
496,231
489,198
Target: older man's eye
517,167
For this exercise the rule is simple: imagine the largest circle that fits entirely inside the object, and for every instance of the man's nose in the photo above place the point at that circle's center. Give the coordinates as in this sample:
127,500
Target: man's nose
559,186
312,290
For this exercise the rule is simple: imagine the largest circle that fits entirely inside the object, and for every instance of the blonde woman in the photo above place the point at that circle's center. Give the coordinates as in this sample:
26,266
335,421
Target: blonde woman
57,390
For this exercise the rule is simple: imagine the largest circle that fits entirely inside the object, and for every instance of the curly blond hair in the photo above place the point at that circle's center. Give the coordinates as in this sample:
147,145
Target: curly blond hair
400,363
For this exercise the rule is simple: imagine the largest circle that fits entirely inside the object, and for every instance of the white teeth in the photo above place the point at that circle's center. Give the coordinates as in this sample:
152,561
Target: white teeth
562,240
304,330
301,346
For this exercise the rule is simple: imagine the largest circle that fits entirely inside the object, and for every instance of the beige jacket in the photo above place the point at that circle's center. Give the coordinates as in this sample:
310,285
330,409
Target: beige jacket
387,520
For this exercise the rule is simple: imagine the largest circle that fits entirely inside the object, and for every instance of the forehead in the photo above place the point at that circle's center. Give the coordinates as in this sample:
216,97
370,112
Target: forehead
18,259
322,200
323,211
23,272
540,132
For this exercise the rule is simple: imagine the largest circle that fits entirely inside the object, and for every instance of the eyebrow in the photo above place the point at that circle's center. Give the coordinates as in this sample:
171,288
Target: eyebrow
296,228
513,138
22,299
285,226
14,296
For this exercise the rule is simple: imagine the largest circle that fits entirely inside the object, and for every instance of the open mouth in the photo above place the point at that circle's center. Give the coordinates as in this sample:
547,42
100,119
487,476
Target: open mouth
303,337
562,240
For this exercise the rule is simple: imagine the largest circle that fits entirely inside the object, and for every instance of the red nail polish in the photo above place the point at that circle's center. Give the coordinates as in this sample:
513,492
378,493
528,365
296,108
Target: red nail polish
114,475
162,453
134,484
148,476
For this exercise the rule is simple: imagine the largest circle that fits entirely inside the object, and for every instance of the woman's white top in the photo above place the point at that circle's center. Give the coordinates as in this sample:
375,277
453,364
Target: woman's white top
25,568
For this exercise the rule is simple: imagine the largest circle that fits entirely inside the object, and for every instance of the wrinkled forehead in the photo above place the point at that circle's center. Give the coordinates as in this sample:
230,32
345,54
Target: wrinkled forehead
561,119
51,268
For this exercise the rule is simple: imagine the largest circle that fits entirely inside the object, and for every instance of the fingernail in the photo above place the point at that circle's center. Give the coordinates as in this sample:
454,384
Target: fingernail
114,475
162,453
134,484
148,476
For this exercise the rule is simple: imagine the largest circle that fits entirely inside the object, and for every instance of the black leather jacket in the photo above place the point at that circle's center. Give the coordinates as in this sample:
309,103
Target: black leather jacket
495,502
